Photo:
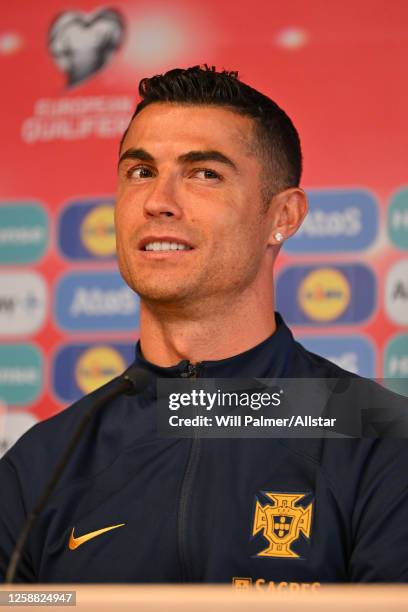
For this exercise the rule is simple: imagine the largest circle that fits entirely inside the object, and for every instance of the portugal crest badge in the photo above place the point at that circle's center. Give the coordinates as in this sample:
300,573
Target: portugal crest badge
281,523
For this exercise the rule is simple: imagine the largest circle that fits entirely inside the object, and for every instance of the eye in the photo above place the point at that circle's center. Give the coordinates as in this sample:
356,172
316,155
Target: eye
139,172
207,174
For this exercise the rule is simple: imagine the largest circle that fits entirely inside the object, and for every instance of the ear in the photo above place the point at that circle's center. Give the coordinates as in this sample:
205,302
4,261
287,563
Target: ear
288,209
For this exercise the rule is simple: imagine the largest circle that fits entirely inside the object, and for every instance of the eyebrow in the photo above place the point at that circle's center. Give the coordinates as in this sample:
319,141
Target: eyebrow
186,158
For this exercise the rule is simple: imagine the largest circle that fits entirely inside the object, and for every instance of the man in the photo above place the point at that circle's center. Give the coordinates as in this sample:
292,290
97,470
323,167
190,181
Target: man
208,191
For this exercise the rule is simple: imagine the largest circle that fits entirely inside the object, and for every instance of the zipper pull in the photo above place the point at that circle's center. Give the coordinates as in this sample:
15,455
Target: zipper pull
191,371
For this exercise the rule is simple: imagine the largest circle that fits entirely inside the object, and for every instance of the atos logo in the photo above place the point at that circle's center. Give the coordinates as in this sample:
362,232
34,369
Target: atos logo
352,353
338,220
98,301
326,295
87,231
81,368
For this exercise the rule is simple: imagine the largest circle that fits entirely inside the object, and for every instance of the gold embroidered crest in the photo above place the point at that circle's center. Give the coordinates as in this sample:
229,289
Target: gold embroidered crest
281,523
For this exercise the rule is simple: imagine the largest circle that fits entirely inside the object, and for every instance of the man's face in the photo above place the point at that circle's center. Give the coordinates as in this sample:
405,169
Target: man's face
190,175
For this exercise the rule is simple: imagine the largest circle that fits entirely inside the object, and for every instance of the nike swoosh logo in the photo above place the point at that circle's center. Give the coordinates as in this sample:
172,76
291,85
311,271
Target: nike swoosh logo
75,542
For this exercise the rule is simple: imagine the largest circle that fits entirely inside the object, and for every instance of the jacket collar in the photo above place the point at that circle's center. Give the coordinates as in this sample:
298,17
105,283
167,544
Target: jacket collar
270,358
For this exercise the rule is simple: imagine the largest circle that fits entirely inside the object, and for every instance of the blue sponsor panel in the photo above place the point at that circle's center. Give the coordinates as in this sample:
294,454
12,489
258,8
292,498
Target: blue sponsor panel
396,364
86,230
21,373
340,220
326,295
94,302
79,369
23,232
353,353
397,219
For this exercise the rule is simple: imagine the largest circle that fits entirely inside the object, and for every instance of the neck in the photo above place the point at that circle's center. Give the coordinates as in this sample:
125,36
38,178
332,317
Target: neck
205,331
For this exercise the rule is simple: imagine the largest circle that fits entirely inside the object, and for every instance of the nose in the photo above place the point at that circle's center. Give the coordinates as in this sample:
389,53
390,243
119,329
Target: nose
162,200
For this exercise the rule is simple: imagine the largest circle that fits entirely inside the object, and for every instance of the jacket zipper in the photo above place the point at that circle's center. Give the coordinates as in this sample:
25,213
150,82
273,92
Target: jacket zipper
191,372
186,491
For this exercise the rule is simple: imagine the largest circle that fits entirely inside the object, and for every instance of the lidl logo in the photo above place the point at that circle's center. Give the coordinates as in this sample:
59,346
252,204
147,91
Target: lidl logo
21,374
324,294
81,368
13,424
397,219
97,366
396,293
98,231
396,363
340,220
23,232
309,295
23,298
98,301
87,231
352,353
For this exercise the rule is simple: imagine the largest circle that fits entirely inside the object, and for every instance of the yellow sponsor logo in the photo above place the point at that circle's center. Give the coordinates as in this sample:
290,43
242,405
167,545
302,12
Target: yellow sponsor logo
281,523
98,231
97,366
75,542
263,583
324,294
242,583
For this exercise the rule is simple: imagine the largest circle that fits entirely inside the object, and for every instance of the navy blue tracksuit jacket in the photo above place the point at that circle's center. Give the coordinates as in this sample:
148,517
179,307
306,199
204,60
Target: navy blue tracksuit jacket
264,511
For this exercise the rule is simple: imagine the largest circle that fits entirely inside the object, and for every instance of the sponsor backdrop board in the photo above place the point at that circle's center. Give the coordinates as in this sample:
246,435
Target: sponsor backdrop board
67,321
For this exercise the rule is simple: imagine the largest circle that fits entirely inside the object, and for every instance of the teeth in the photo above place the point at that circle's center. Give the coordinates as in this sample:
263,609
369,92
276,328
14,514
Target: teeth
166,246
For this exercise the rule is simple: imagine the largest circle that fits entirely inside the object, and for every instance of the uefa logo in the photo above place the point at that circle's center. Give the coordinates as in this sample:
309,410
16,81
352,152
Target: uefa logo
82,44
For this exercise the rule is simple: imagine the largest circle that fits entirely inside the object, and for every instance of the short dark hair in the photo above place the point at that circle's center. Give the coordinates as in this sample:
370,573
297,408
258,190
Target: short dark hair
276,137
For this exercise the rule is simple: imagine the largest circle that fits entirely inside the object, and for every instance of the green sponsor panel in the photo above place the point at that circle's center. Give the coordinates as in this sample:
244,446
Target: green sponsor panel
21,373
396,364
23,232
397,221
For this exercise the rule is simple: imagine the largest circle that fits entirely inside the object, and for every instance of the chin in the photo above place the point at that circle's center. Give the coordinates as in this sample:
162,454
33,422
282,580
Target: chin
160,294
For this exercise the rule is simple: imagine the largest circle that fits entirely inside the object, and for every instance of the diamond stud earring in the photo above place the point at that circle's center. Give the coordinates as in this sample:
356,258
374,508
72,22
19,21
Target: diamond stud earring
278,236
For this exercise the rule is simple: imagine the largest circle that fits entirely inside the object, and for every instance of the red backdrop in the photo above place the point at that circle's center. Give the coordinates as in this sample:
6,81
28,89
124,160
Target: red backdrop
338,69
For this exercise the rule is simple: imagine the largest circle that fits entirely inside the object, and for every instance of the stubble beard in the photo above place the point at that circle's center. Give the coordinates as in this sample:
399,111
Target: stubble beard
199,288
